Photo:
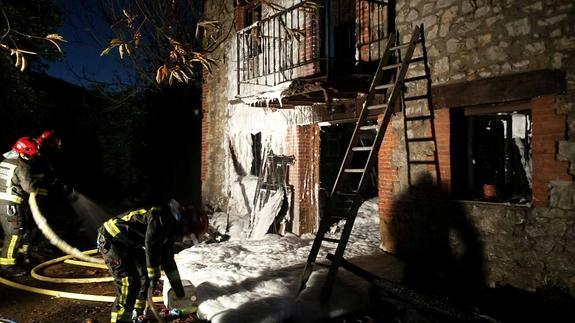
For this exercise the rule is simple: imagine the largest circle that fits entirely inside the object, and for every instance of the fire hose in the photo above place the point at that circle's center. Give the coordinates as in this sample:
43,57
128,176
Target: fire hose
71,252
42,224
153,308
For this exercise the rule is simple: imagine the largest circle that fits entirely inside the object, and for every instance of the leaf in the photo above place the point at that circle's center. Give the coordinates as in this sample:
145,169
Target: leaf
55,44
106,51
24,64
161,73
121,50
176,76
116,42
55,37
18,59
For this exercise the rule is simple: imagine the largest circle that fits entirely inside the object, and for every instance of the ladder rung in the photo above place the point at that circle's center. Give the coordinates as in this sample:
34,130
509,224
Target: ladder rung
377,106
415,78
419,139
422,162
354,170
415,98
335,219
370,127
361,148
390,67
346,193
418,118
331,240
384,86
400,46
417,59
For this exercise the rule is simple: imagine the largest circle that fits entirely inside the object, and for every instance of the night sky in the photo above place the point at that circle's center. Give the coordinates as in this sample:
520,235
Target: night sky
87,34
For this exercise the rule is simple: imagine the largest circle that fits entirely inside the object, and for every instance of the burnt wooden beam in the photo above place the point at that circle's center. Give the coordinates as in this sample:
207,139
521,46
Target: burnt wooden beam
505,88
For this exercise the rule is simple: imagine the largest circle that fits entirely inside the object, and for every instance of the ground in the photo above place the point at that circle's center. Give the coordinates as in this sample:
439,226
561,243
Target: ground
26,307
508,304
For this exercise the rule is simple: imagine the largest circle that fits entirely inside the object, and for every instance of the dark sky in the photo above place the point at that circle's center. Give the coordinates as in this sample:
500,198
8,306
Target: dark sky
87,34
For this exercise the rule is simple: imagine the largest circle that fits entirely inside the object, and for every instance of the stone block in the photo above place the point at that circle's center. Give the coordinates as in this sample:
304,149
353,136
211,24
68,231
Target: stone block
427,8
565,105
562,195
566,151
551,20
444,3
518,27
412,15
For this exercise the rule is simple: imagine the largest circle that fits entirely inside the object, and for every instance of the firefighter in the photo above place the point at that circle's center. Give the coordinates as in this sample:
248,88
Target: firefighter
136,244
18,179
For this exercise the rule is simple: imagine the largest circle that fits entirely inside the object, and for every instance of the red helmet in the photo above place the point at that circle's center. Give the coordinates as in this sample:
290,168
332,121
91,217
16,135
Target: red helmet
26,146
48,138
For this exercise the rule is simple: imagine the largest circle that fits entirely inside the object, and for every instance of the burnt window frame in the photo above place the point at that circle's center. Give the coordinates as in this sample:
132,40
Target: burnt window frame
510,187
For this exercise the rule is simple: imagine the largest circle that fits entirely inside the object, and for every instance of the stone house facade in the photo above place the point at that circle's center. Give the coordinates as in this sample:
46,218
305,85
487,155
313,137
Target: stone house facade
290,80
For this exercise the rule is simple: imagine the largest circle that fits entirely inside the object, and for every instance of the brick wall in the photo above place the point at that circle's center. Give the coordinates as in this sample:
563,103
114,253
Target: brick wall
205,129
548,129
240,17
387,177
304,142
443,139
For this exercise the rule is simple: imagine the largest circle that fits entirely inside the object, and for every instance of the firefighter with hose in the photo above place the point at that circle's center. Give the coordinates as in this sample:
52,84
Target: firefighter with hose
23,171
137,244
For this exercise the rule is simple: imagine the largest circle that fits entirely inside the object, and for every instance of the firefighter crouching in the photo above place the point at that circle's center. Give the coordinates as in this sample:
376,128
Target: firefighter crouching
136,244
19,177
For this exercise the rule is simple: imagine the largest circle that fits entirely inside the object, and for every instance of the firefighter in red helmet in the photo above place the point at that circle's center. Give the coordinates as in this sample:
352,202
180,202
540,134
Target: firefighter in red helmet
17,181
137,244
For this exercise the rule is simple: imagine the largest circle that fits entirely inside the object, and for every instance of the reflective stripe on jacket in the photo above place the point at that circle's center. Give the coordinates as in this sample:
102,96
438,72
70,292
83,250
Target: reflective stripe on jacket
20,177
152,229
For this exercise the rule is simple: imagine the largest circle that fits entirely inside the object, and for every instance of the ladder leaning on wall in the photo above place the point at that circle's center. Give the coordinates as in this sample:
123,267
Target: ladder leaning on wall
343,202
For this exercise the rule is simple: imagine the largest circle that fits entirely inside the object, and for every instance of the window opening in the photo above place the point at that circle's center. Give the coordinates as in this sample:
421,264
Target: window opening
491,156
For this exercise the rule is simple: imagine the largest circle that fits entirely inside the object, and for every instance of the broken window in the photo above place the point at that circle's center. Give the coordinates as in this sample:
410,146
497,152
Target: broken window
491,154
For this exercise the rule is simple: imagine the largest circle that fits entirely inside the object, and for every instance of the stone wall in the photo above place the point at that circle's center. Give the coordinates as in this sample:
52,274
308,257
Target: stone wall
476,39
526,247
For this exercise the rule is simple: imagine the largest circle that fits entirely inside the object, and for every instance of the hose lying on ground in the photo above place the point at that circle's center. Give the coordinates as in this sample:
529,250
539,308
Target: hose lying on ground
42,224
71,252
34,272
62,294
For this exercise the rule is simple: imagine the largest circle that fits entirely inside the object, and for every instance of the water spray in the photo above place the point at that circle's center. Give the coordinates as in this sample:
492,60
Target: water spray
54,239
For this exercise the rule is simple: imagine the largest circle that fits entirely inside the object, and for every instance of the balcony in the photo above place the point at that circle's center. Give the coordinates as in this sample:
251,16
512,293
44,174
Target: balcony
322,42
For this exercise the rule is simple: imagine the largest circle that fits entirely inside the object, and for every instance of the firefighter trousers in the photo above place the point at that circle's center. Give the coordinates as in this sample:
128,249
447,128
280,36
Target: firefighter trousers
16,233
128,267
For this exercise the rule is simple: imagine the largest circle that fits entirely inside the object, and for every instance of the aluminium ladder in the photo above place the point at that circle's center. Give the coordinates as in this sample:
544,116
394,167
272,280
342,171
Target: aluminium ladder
343,203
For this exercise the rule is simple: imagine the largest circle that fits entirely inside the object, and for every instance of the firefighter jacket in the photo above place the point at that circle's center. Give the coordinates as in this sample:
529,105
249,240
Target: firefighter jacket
20,177
154,229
